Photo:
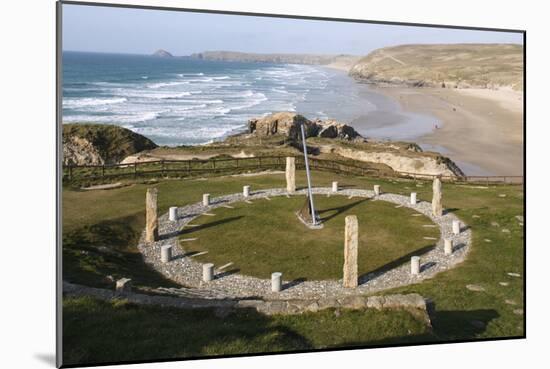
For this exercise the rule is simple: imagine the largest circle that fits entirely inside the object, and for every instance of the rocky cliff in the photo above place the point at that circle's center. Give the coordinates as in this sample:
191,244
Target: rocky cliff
314,59
448,65
96,144
398,159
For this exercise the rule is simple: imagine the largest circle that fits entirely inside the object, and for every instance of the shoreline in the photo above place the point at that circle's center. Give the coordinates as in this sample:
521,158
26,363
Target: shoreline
480,129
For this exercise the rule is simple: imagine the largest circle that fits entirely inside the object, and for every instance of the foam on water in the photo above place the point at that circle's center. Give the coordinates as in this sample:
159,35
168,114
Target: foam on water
78,103
175,107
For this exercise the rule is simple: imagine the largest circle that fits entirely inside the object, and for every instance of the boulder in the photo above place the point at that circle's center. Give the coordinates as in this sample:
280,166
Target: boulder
284,123
334,129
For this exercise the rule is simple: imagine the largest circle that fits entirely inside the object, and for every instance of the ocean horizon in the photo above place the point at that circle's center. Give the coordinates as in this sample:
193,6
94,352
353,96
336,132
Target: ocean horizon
188,101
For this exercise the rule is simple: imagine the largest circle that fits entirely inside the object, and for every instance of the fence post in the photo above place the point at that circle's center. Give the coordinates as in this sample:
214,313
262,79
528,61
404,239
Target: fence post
260,162
103,171
214,164
135,169
162,166
189,166
70,172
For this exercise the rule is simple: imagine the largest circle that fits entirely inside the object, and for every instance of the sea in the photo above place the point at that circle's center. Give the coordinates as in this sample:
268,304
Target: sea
189,101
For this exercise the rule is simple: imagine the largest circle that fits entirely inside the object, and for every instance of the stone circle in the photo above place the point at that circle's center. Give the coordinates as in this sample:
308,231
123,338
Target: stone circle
184,270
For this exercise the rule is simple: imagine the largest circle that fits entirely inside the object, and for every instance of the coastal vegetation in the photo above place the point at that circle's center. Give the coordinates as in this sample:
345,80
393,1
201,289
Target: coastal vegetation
444,65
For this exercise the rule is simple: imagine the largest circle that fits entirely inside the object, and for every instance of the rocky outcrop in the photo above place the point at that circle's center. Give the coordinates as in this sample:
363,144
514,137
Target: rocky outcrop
80,151
444,65
419,163
97,144
288,124
163,54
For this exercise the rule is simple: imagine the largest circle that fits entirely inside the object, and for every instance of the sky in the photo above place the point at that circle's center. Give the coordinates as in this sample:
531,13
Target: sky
142,31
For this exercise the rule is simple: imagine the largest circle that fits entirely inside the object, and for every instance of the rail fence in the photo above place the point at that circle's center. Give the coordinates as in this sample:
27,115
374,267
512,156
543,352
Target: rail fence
184,168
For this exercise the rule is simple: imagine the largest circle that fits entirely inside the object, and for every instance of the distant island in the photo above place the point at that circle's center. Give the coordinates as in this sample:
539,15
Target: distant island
163,54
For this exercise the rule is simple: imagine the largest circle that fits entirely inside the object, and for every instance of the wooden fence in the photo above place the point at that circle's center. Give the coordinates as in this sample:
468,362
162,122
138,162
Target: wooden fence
184,168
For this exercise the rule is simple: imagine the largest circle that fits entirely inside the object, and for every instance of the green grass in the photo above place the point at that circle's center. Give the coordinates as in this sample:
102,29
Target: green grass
266,236
115,331
96,331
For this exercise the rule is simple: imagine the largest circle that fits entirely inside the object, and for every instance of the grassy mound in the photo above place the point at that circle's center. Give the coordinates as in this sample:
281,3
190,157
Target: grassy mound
113,143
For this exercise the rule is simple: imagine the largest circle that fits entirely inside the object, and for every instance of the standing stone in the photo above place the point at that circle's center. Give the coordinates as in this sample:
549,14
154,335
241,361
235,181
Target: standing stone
151,216
350,252
448,248
334,186
290,174
173,215
246,191
166,253
206,199
415,265
456,227
413,198
377,190
276,284
207,272
437,208
124,285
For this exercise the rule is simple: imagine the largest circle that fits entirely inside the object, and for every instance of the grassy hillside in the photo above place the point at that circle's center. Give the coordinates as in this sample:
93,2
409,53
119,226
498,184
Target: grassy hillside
112,143
451,65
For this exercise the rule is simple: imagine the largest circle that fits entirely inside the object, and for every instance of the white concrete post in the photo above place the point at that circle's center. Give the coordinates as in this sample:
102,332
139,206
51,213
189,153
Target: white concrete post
456,227
377,190
413,198
415,265
207,272
448,246
334,186
124,285
276,283
166,253
173,213
206,199
246,191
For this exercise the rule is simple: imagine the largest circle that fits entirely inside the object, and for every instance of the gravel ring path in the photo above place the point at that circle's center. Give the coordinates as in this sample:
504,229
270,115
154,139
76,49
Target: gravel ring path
186,271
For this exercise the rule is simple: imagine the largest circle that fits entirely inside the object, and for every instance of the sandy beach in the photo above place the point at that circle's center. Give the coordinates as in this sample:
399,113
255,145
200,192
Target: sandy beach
480,129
